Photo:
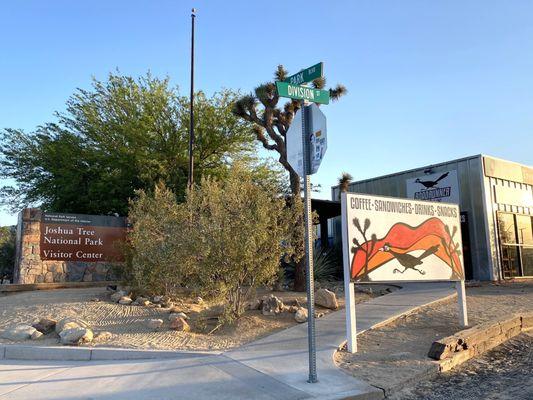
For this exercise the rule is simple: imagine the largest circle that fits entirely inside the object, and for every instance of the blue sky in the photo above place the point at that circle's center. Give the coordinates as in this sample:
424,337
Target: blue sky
428,81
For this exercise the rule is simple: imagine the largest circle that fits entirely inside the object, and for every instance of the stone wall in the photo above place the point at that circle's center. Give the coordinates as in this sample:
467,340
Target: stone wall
29,268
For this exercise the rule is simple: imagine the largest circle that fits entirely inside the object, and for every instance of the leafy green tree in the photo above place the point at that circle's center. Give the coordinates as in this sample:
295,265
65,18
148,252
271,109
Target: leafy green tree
121,135
7,252
271,122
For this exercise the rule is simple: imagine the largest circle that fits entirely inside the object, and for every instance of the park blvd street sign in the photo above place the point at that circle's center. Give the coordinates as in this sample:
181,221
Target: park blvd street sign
317,144
306,75
302,93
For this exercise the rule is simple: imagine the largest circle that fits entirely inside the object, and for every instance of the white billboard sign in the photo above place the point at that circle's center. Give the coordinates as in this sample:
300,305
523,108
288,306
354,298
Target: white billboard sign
441,186
393,239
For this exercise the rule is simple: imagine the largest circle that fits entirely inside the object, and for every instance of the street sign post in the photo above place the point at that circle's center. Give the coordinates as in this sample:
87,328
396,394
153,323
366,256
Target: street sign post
302,93
306,75
308,217
306,143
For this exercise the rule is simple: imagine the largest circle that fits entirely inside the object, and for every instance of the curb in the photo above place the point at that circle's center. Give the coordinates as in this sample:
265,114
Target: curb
55,353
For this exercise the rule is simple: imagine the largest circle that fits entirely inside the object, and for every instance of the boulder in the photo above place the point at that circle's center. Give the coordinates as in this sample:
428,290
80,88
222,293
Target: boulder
154,323
18,332
326,298
69,323
301,315
45,325
174,316
198,300
293,309
272,305
75,336
158,299
254,304
125,300
36,335
179,324
141,301
115,297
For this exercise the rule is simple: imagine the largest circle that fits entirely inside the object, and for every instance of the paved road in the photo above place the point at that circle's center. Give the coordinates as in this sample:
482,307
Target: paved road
271,368
505,373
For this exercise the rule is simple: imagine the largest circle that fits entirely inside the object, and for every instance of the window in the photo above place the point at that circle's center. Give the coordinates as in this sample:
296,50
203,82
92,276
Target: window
516,244
524,229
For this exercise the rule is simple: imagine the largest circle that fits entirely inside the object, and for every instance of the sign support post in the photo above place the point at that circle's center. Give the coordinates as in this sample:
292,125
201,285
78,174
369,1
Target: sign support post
306,132
349,290
461,299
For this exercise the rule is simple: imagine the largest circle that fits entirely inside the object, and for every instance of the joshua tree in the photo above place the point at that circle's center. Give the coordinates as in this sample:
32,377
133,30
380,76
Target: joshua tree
344,182
271,123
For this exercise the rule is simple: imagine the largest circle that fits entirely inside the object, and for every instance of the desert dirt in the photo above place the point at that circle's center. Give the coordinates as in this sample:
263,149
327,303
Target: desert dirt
395,355
127,323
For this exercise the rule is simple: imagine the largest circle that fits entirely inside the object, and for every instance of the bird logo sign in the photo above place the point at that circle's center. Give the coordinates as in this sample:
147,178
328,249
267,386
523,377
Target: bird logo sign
434,187
396,239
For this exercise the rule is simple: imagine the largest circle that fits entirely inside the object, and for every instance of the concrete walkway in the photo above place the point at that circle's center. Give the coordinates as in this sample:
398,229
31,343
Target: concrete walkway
271,368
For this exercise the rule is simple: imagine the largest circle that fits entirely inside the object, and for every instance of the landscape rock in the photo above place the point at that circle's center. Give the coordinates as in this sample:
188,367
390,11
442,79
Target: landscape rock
173,316
69,323
326,298
45,325
154,323
36,335
157,299
18,332
75,336
272,305
301,315
293,309
115,297
125,300
179,324
254,304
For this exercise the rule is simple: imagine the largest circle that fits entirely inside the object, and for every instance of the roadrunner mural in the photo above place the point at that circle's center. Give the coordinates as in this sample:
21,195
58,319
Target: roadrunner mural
432,237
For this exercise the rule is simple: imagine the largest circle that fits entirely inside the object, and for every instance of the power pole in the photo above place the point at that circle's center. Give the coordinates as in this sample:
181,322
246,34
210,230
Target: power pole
190,179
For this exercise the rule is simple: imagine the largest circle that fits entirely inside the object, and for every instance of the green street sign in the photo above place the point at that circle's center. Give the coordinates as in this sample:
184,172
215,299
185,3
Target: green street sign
306,75
302,93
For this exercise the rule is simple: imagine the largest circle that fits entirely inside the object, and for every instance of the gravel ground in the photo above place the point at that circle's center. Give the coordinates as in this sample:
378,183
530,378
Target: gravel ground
127,324
395,355
505,373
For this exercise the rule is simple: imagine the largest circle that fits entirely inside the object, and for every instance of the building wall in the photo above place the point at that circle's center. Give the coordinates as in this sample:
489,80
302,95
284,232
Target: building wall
29,268
509,188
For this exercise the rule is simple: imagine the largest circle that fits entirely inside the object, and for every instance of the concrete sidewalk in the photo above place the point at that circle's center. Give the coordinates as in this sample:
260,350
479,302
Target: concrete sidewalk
272,368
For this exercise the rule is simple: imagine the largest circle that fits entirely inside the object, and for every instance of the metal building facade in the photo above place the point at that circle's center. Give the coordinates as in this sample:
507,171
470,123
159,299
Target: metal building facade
490,192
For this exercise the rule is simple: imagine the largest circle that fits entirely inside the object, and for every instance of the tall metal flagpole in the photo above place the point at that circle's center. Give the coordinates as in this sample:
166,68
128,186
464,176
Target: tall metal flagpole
190,179
306,133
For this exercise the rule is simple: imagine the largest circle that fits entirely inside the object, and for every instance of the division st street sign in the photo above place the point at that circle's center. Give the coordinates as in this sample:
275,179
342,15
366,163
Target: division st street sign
306,75
302,93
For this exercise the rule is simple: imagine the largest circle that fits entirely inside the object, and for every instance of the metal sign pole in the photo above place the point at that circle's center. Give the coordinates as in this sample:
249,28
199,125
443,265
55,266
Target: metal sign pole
306,133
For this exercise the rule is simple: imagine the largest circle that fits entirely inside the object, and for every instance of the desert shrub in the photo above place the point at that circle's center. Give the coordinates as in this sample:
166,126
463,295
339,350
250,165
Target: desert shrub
240,228
157,252
223,241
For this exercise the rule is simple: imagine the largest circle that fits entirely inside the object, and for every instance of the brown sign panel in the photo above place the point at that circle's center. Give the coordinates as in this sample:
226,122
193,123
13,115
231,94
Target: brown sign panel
79,237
